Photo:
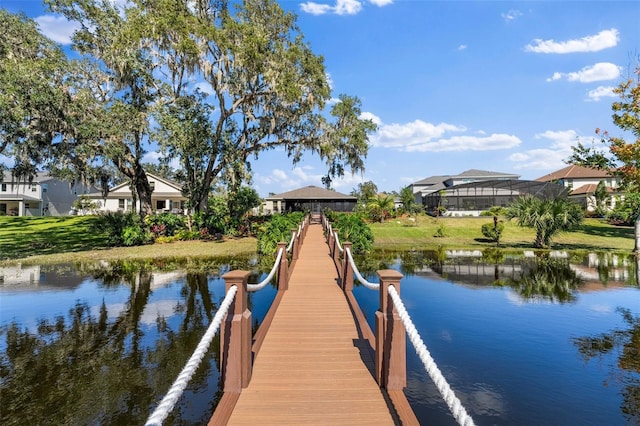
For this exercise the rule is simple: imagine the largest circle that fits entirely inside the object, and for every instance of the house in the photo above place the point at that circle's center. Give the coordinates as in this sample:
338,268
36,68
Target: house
166,197
43,196
309,198
474,191
581,182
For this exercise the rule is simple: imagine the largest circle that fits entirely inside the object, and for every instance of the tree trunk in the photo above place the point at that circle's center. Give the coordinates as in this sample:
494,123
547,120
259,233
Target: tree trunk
143,189
636,246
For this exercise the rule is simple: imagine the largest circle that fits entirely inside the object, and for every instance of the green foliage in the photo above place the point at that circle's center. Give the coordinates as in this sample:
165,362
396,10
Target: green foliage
626,211
408,200
441,231
381,207
240,203
165,224
495,211
114,225
216,219
135,235
186,235
547,217
278,229
352,227
493,231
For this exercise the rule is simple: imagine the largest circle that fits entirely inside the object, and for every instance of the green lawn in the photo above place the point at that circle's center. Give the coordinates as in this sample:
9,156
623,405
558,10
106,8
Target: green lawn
49,240
465,233
28,236
64,239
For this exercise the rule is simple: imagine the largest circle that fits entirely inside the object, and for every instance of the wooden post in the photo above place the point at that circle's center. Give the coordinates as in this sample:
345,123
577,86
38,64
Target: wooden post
283,268
330,239
296,244
391,350
235,336
347,270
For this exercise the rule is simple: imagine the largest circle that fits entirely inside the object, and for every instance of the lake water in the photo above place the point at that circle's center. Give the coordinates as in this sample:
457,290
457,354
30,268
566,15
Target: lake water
521,340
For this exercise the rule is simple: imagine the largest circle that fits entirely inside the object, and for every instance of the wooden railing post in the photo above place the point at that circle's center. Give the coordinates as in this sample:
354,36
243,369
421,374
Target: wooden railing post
330,240
296,244
391,350
235,336
347,270
283,268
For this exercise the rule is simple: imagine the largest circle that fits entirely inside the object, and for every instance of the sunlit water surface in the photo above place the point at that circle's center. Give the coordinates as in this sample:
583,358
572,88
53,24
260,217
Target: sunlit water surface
520,343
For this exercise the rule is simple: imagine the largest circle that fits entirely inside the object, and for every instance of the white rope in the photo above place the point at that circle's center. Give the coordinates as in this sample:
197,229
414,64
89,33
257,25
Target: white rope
293,237
455,406
338,242
367,284
263,283
169,401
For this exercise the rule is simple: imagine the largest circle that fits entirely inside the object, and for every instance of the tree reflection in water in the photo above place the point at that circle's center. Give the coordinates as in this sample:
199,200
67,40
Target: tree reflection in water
98,369
545,279
626,342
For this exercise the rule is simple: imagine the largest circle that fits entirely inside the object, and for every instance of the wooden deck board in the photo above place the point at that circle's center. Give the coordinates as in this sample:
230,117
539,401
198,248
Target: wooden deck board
310,368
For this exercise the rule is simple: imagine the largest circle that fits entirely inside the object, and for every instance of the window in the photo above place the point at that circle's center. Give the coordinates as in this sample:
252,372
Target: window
26,206
121,203
3,188
160,204
34,188
152,185
44,187
3,208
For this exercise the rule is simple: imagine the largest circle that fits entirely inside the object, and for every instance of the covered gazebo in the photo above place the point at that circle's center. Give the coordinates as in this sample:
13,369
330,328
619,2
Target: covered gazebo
310,198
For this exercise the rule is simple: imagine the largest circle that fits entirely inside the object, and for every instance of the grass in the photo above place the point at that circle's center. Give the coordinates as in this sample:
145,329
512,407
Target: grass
465,233
48,240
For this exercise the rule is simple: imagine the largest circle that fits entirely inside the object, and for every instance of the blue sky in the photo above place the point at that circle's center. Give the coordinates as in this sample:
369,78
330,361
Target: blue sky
455,85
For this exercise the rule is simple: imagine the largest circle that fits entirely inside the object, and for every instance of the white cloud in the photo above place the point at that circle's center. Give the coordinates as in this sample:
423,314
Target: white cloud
341,7
370,116
552,156
420,136
511,15
602,40
304,176
57,28
462,47
598,72
601,92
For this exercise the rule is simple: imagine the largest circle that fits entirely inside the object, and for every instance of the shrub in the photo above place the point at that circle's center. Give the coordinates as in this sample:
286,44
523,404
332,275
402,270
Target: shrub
186,235
165,223
114,225
440,231
276,230
493,231
135,235
352,227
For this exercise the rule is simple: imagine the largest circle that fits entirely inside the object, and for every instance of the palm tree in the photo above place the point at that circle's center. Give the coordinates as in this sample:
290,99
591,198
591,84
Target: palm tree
381,206
547,217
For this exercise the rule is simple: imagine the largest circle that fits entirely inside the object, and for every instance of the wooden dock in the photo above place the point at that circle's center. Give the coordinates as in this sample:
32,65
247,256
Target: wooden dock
314,365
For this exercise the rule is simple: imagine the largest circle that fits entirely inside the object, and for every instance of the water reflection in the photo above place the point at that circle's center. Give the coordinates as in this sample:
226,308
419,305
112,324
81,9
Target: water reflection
112,354
626,343
534,276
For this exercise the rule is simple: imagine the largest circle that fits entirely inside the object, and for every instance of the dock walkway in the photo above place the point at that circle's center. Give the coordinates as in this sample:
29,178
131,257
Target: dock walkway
313,366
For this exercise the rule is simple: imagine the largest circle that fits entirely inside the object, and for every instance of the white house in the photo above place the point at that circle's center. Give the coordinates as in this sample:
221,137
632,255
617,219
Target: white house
581,182
43,196
166,197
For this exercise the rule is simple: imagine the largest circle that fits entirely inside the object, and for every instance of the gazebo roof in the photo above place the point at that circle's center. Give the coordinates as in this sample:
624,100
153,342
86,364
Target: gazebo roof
311,193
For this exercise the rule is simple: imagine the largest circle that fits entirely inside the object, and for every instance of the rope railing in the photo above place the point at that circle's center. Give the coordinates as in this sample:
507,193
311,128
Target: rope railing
367,284
338,242
454,404
263,283
293,238
169,401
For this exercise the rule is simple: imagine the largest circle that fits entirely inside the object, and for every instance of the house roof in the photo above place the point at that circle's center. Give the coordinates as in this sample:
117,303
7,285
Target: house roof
171,183
574,172
589,189
475,173
7,177
311,193
433,180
